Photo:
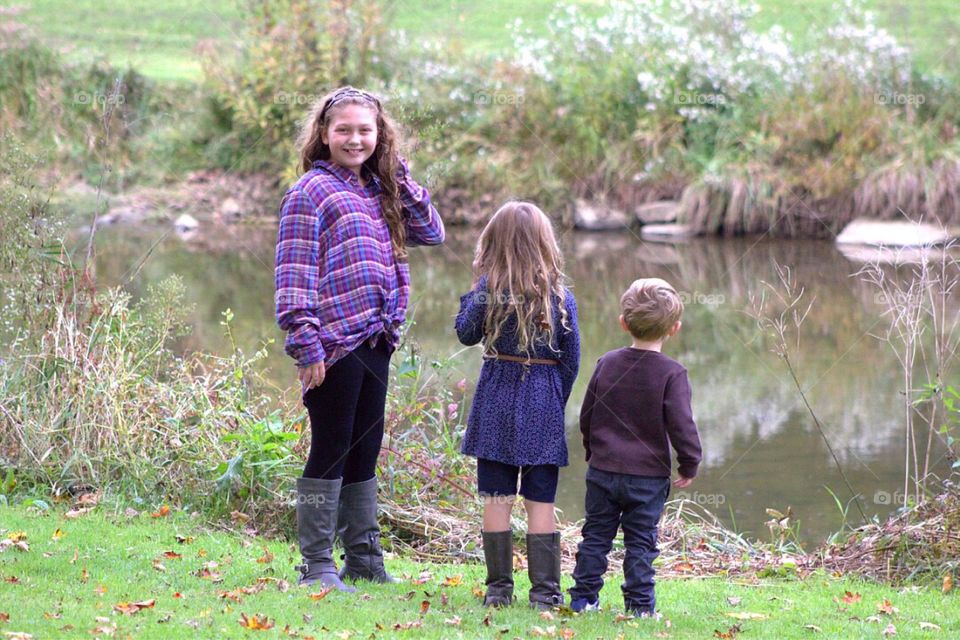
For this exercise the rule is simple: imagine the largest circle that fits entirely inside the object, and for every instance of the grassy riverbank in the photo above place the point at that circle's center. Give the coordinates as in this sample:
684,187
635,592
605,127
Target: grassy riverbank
79,572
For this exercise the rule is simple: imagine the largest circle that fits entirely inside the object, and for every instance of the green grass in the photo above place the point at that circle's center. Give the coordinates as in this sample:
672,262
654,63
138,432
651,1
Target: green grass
63,585
159,38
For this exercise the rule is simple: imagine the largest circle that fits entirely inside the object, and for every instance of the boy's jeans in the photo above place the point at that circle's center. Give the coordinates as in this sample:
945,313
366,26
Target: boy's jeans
614,500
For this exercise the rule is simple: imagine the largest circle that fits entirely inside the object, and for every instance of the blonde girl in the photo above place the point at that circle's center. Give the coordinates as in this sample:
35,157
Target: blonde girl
526,318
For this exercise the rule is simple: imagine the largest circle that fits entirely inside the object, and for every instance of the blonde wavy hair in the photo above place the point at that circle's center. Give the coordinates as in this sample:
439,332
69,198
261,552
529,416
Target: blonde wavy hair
518,253
384,163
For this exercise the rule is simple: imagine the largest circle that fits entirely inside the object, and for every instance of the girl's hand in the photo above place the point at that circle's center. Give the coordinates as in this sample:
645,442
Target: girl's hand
311,376
682,483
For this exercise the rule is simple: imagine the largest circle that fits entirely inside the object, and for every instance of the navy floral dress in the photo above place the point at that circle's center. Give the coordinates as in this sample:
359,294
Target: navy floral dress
517,416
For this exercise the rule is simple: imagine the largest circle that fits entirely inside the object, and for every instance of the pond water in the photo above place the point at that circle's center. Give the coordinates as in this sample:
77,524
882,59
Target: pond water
761,446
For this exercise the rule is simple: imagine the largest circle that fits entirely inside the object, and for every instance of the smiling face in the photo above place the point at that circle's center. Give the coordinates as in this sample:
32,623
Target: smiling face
351,135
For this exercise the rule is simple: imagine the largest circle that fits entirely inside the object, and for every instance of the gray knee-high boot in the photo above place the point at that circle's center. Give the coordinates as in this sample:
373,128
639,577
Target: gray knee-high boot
498,555
360,533
317,501
543,567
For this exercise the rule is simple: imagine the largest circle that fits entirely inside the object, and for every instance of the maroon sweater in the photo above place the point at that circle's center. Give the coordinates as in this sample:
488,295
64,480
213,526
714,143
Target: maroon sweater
637,405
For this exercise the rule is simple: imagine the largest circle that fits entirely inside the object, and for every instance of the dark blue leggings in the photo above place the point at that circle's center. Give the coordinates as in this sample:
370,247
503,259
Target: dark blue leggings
346,415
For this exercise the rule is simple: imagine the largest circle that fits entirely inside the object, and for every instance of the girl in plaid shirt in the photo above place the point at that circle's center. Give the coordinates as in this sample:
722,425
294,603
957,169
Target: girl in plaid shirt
342,288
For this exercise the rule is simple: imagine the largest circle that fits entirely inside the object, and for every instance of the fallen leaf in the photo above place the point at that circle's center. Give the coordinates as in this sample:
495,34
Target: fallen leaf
566,633
320,595
162,513
728,634
486,620
453,622
947,583
747,615
255,622
177,594
889,631
444,599
159,566
76,554
424,577
929,626
130,608
172,555
84,575
17,635
622,617
886,607
266,558
100,590
453,581
17,536
812,627
684,567
12,579
75,513
478,592
184,539
549,632
231,595
424,607
4,617
850,598
402,626
89,499
734,601
546,615
130,512
239,517
407,596
57,534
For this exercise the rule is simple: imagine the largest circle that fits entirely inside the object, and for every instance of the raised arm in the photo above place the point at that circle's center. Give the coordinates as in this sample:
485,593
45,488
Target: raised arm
681,428
570,348
473,310
297,275
423,223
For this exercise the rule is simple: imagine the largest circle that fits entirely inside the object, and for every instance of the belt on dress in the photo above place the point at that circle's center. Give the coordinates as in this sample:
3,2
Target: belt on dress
501,356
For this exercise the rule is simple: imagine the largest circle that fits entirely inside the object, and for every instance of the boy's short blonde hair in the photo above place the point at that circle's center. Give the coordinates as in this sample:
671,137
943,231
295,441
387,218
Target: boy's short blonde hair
650,307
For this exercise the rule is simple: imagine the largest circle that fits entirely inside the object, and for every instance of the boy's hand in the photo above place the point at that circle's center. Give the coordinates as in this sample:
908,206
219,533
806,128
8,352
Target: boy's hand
682,483
311,376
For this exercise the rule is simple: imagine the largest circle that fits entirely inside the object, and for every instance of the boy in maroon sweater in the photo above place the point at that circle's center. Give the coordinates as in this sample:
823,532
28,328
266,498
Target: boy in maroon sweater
636,408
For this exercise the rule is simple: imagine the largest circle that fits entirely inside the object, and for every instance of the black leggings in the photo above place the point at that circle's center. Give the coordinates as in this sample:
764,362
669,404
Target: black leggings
346,415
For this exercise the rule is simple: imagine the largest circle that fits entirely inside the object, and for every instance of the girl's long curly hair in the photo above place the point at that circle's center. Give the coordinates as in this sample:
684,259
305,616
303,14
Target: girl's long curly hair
518,253
384,163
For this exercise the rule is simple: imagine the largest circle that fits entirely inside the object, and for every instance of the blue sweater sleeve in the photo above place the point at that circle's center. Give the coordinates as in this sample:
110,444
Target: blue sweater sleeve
570,348
473,311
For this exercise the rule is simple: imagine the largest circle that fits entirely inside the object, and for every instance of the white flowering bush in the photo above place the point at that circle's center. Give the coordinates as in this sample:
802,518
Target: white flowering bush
685,90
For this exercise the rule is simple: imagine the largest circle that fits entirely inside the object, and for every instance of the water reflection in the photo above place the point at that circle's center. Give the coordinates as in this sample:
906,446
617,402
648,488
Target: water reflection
761,446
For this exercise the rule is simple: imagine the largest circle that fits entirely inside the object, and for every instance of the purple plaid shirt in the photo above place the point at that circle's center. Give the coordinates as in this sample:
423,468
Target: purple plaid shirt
336,278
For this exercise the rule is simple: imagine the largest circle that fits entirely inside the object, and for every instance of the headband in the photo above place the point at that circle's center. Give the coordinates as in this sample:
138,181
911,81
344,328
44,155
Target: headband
347,93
